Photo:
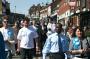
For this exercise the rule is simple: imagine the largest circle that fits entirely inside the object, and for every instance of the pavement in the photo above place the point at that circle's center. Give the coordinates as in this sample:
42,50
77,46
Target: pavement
38,56
18,57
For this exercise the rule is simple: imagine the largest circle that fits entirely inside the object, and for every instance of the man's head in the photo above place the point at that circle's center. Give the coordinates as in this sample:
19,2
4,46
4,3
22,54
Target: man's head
58,27
5,21
26,22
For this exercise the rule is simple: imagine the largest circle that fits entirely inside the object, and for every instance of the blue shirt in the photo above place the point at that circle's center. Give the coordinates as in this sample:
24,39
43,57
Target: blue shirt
2,47
51,44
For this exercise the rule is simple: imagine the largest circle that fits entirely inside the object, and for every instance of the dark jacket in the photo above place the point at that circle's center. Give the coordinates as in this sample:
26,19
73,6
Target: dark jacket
2,47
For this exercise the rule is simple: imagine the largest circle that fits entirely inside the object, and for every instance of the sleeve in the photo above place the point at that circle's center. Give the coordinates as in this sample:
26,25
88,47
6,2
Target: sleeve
35,34
71,44
46,47
65,44
5,37
19,36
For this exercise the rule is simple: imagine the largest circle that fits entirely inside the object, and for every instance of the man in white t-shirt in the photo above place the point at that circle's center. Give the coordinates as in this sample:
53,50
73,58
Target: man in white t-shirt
26,40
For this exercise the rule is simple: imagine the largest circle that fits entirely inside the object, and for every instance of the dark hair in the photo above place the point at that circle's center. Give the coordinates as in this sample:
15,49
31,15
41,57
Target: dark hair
69,27
60,25
16,23
83,33
26,19
5,17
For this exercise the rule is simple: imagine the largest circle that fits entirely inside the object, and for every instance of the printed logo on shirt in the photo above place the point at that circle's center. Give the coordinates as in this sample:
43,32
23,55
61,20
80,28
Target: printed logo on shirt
10,34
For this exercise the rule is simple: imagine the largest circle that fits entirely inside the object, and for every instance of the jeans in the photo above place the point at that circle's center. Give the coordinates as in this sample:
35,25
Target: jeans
26,53
8,54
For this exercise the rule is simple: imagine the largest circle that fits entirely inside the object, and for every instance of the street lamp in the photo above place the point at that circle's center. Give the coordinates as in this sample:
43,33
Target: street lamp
15,9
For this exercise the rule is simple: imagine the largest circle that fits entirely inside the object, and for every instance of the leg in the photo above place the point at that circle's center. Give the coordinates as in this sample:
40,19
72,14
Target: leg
57,56
23,53
6,53
29,53
9,54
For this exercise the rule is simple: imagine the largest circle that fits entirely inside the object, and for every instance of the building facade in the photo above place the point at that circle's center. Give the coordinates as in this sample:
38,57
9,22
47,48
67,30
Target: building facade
45,12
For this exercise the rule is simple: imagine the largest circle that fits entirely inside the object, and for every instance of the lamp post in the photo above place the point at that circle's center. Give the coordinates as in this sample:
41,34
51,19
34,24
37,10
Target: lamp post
15,9
15,14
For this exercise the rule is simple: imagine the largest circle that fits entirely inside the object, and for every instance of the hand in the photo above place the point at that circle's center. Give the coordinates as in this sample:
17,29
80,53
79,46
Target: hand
6,40
75,51
84,51
68,52
12,42
18,51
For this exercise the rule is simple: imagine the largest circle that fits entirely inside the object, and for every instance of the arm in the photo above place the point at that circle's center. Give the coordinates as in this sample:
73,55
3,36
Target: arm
18,49
35,36
46,48
72,51
19,37
76,51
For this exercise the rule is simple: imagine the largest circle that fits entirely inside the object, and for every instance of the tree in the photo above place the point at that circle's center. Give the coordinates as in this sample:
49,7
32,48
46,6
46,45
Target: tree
32,9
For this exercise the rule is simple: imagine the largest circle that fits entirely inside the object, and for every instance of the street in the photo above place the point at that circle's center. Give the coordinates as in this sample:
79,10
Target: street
18,57
38,56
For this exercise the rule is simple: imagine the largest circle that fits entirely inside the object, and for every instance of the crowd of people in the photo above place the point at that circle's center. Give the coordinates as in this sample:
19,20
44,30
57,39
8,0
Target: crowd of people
47,38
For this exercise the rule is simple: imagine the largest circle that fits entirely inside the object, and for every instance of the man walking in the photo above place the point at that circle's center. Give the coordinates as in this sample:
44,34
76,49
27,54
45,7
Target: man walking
56,44
26,40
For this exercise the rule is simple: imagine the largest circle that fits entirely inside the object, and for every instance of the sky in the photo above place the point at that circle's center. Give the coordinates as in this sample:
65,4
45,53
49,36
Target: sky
22,6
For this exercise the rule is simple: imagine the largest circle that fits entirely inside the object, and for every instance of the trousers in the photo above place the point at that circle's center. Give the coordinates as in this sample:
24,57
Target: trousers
57,56
8,54
26,53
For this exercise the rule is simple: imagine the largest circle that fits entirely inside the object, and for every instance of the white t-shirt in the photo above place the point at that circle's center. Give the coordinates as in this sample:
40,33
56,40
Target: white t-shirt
27,38
8,34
